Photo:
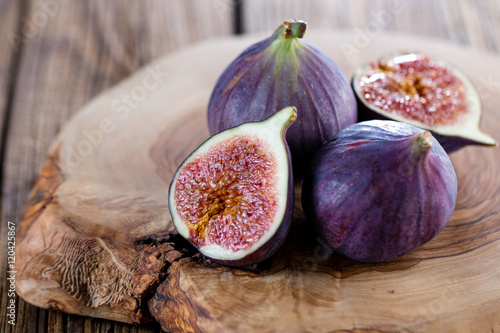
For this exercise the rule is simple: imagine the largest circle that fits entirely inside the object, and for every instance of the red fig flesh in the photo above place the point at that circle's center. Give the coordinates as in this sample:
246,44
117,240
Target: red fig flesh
424,92
379,189
232,198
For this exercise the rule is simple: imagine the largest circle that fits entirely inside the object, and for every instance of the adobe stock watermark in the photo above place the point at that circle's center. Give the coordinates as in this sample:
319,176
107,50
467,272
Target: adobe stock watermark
487,86
224,8
379,20
45,11
320,255
11,273
121,109
437,307
259,287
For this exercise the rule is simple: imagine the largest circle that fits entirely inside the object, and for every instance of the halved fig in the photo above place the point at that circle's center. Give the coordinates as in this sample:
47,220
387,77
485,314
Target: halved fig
232,198
425,92
379,189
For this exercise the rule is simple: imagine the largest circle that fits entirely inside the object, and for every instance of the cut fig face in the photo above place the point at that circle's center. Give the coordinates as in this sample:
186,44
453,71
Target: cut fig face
232,198
424,92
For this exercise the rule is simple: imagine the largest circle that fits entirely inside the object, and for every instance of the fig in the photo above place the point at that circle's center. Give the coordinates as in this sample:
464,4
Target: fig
379,189
279,71
425,92
232,198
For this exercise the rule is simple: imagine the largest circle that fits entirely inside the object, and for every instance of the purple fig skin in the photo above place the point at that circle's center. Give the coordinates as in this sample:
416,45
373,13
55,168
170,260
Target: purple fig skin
379,189
279,71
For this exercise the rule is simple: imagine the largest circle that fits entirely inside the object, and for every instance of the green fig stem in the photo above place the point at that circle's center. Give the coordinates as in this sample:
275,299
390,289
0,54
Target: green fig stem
422,142
286,39
295,28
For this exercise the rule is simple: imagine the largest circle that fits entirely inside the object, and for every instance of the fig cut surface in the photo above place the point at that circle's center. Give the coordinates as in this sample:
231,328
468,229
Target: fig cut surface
230,197
424,92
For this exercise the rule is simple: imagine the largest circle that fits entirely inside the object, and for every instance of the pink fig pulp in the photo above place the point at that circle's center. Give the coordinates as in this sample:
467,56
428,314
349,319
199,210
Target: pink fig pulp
232,198
424,92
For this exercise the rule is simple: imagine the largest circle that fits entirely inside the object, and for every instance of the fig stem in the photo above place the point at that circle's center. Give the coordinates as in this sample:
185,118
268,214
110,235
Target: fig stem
423,142
295,28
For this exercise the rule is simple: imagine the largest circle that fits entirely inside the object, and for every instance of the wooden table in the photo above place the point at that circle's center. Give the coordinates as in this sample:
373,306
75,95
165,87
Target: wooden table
57,54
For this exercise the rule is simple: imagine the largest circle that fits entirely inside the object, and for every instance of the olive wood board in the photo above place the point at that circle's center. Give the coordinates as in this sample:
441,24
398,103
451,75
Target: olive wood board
97,238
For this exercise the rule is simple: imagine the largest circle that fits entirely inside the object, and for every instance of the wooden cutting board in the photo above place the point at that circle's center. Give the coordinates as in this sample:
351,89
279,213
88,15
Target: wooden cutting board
97,238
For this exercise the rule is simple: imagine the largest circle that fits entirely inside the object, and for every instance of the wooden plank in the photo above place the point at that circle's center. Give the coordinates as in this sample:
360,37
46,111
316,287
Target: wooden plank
473,23
262,15
82,49
489,12
10,15
72,51
431,288
9,18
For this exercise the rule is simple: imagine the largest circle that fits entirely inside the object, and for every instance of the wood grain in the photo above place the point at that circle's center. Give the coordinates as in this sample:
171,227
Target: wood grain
119,187
87,47
8,25
9,12
472,23
306,288
76,52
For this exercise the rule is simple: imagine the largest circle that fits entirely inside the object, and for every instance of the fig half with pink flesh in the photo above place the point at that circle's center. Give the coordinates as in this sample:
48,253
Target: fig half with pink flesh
232,198
424,92
379,189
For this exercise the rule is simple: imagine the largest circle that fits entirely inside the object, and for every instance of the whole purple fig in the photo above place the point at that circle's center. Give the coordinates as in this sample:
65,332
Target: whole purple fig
379,189
279,71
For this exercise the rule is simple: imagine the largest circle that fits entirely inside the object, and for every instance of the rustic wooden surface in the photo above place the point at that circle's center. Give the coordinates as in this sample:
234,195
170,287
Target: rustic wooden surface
54,59
114,197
